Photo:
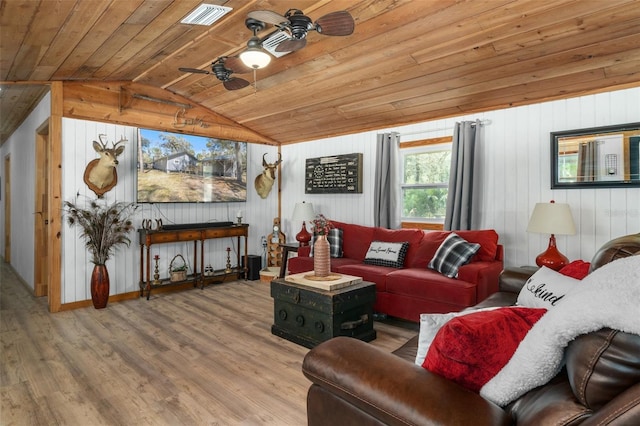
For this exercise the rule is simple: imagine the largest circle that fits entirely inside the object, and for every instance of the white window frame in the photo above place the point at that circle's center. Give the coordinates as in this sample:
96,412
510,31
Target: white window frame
425,146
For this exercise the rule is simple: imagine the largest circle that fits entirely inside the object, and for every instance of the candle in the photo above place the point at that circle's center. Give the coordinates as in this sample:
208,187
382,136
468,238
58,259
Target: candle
239,213
156,257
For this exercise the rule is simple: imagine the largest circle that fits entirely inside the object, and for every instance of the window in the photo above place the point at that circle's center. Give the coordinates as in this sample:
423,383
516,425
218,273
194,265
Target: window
425,181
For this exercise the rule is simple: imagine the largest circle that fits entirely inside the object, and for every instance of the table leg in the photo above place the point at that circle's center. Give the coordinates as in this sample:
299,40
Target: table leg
148,270
245,269
141,280
201,264
285,258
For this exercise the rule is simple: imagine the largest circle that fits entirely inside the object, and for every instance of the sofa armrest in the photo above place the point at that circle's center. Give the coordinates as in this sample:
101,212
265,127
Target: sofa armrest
512,279
391,389
484,275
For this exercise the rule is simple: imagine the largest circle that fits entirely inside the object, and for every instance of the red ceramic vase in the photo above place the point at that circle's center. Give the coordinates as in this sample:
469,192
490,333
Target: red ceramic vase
100,286
321,257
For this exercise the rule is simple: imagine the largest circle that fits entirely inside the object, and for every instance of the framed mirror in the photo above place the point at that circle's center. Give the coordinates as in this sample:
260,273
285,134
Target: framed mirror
600,157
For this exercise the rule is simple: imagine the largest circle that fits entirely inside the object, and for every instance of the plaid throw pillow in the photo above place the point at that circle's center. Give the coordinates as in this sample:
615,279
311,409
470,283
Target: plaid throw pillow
454,252
382,253
335,242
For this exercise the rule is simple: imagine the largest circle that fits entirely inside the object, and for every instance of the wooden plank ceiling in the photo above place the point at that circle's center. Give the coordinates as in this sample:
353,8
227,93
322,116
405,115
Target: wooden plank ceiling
407,61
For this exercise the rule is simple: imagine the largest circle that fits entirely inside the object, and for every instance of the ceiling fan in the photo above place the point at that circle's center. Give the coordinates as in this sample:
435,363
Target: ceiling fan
297,24
222,68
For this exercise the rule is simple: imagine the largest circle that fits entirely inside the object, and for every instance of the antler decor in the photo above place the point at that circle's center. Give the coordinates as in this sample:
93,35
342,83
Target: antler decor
264,181
100,174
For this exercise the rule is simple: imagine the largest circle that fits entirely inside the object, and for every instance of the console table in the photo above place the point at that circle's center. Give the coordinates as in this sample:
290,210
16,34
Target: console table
147,238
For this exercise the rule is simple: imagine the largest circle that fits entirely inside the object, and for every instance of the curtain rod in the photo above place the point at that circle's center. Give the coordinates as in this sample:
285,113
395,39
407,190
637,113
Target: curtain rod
482,123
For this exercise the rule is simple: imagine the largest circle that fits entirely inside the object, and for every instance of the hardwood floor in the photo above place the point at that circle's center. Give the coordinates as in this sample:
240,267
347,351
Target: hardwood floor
194,357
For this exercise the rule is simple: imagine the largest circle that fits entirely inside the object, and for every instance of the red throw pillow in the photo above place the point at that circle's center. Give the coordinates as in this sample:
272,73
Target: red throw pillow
577,269
472,348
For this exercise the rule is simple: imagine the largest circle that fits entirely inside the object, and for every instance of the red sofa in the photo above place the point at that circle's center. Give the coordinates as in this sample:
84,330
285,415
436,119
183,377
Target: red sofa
415,289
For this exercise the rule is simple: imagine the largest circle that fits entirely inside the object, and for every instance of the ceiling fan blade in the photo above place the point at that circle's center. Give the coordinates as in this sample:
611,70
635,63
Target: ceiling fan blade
236,65
268,17
336,24
291,45
194,70
235,83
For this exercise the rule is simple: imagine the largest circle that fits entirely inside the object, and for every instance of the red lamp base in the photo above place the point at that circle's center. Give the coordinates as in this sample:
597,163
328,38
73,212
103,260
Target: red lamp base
303,236
552,258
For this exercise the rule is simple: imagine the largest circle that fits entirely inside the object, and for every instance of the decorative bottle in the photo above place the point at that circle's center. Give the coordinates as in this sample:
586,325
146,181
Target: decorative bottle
321,257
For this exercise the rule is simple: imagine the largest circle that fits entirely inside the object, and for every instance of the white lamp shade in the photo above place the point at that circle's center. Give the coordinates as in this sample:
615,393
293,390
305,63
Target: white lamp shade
303,212
552,218
255,58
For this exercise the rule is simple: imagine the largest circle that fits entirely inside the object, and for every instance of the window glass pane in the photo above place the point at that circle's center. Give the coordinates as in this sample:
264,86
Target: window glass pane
427,167
567,168
424,203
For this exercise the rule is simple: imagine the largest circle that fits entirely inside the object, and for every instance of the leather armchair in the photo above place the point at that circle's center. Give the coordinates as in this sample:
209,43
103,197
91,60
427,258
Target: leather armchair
354,383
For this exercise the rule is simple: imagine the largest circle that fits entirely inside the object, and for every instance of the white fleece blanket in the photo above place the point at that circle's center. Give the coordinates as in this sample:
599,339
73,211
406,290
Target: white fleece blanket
608,297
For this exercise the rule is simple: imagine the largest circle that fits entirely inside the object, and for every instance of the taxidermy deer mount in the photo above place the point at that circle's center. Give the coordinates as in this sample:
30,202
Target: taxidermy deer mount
264,181
100,174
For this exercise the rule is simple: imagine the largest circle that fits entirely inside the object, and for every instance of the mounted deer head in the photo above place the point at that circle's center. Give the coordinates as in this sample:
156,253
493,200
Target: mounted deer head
100,174
264,181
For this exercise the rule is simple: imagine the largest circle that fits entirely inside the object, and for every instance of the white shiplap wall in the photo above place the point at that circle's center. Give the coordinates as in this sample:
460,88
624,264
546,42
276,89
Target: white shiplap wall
20,147
515,174
124,266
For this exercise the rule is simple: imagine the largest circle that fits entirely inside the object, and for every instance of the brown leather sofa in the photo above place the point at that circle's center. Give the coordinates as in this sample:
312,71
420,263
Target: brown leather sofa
355,383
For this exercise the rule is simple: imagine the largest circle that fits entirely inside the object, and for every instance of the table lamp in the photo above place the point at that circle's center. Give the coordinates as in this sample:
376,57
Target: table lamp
552,218
303,212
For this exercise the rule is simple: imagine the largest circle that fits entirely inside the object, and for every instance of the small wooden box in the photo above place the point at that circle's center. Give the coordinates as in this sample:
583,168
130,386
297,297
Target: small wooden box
308,316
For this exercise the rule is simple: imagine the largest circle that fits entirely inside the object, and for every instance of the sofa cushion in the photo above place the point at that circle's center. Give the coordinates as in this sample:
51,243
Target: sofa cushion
454,252
426,284
545,288
603,364
551,404
335,242
372,273
488,240
412,236
426,249
471,349
355,239
299,264
382,253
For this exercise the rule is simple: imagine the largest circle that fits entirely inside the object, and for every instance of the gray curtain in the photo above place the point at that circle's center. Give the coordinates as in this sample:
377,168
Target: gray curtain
587,161
462,191
386,197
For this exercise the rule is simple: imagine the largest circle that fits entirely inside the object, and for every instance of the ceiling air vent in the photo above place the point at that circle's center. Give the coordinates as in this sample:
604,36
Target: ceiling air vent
206,14
273,40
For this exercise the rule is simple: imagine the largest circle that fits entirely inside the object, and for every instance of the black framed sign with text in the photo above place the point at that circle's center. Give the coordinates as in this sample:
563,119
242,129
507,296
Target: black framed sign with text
335,174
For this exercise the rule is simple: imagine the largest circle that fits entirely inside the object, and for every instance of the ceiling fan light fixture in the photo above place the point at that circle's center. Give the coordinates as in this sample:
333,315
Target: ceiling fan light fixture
254,57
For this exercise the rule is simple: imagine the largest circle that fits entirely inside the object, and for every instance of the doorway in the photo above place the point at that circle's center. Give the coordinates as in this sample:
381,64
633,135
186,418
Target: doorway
41,222
7,209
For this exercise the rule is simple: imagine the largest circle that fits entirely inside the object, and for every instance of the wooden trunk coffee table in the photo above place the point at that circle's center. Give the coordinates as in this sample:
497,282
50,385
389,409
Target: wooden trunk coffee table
309,315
